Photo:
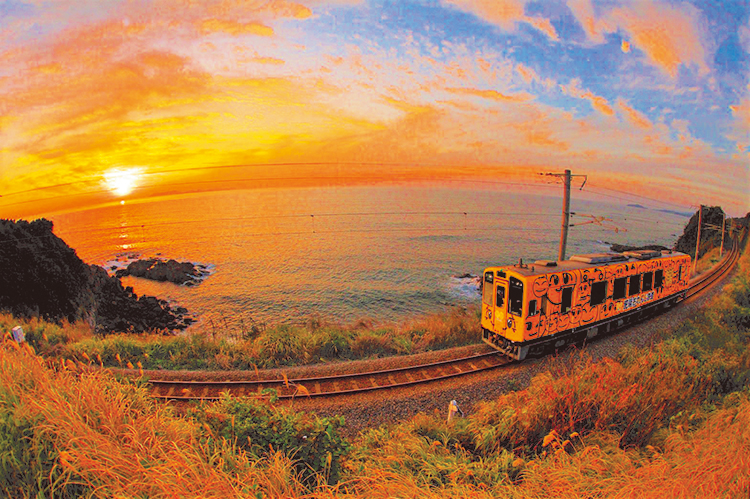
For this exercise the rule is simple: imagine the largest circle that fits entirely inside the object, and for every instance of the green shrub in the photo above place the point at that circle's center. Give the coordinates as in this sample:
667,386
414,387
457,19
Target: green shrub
258,427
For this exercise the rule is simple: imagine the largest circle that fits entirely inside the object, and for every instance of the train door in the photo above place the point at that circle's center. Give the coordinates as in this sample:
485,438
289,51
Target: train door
501,305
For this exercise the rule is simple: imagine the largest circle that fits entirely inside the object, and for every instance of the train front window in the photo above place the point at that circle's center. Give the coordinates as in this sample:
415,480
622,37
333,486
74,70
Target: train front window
648,280
515,296
618,293
489,280
500,296
635,285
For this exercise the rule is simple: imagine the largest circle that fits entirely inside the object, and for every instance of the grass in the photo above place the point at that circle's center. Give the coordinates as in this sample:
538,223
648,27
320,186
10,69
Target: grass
64,433
282,345
667,421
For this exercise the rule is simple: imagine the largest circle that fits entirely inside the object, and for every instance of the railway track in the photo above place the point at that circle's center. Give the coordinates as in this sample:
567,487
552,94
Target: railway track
330,386
725,265
327,386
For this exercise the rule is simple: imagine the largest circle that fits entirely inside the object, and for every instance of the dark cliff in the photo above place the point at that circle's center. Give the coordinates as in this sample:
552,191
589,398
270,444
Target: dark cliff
42,276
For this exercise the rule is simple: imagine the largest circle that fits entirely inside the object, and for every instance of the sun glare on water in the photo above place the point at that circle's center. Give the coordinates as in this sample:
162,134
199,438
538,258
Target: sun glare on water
122,181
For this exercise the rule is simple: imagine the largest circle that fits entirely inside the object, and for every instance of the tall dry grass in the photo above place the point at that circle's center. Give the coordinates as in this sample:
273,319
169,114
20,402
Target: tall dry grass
88,435
283,345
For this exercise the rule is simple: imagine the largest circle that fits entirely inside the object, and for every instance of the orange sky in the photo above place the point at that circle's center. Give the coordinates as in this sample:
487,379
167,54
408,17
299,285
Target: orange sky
649,97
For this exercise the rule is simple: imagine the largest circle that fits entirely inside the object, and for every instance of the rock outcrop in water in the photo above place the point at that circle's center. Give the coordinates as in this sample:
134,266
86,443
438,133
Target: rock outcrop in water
42,276
155,269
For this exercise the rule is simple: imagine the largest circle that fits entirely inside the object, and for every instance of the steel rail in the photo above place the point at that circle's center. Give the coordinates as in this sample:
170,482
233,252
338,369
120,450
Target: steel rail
344,384
324,386
706,280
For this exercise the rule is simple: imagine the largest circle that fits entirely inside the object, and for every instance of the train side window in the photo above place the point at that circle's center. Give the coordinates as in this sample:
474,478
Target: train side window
648,281
532,308
618,293
500,296
635,285
598,293
658,279
543,306
679,274
567,300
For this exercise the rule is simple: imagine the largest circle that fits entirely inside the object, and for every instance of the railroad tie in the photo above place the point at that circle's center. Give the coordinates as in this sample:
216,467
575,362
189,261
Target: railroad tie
354,383
409,376
336,386
473,367
373,382
317,387
392,379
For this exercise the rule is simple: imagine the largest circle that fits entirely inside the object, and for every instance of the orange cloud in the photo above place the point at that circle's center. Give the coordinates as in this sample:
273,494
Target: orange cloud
669,35
597,102
491,94
636,117
543,25
740,128
268,60
594,27
741,113
235,28
505,14
48,69
544,138
526,73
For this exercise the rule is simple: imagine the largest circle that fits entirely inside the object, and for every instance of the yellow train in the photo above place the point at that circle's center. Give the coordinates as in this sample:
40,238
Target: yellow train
527,308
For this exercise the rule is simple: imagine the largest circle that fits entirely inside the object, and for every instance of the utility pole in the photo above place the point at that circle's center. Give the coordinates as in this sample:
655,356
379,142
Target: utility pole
566,208
565,217
723,225
698,239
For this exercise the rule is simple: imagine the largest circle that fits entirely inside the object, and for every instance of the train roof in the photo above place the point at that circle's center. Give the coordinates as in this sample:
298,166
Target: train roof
587,261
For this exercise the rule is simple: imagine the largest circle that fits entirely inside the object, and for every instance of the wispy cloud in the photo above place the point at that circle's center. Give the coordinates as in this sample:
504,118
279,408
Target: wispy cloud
669,35
506,14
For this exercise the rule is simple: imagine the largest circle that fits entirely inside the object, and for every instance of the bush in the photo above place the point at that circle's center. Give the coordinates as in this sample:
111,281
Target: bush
312,443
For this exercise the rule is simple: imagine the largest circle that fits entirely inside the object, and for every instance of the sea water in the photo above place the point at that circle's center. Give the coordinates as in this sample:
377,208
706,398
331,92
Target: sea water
387,253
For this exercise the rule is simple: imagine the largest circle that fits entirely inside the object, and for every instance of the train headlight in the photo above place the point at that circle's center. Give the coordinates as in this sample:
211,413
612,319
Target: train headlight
510,323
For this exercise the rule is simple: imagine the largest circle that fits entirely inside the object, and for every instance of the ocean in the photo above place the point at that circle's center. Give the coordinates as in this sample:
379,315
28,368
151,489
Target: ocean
385,253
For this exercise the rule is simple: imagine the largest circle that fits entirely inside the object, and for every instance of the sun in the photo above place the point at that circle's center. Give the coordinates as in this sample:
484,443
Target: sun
122,181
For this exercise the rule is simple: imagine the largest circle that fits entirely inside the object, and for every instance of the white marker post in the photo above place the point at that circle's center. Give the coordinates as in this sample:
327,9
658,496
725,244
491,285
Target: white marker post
18,334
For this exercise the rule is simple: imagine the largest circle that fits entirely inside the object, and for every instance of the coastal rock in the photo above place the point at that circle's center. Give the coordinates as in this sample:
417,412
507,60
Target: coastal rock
156,269
41,276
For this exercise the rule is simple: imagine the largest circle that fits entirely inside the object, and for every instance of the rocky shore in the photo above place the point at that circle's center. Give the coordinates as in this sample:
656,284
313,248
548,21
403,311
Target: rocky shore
40,275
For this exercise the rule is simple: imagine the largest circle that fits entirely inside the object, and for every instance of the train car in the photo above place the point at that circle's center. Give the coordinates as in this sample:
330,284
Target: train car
528,308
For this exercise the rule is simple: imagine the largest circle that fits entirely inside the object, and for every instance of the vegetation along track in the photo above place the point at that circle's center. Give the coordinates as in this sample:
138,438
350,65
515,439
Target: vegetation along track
329,386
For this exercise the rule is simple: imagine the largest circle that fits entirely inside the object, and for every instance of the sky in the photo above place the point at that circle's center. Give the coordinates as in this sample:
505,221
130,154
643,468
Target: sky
109,100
